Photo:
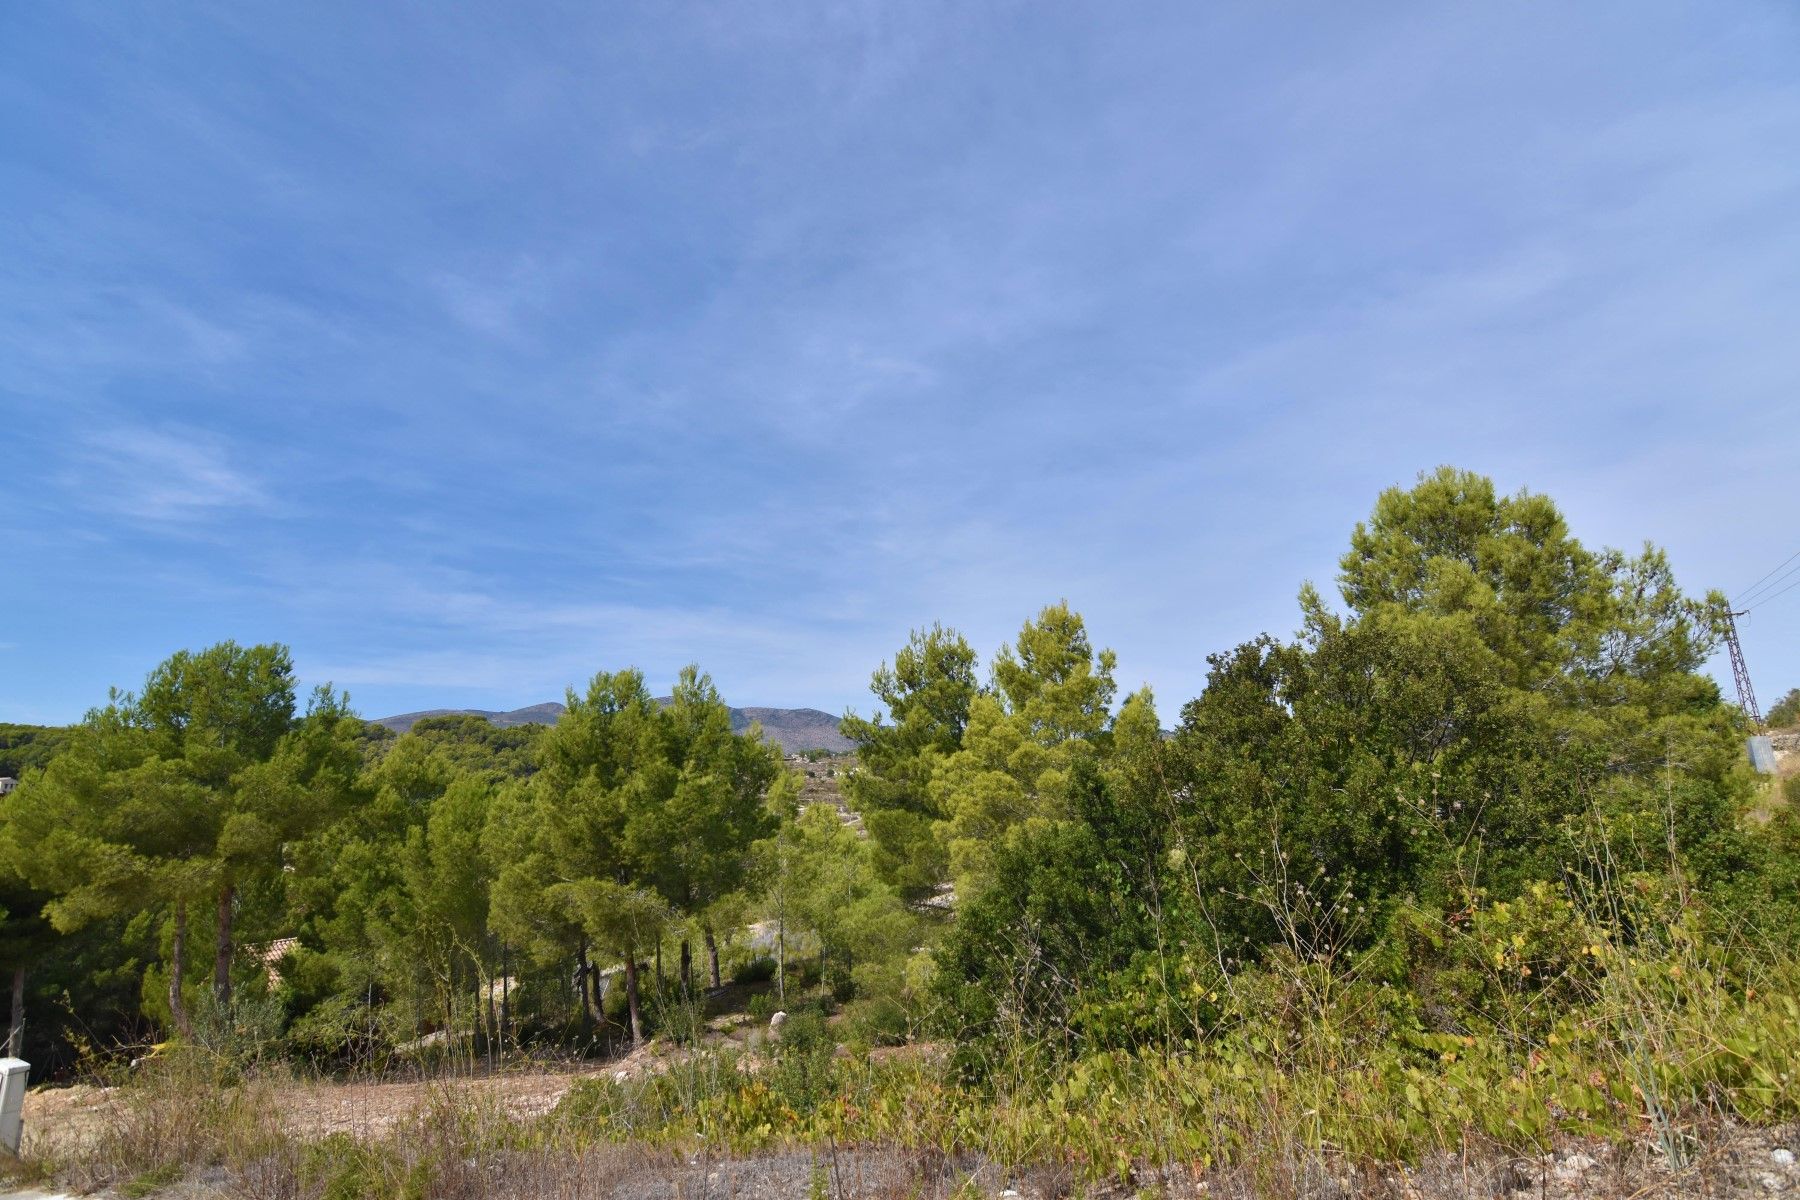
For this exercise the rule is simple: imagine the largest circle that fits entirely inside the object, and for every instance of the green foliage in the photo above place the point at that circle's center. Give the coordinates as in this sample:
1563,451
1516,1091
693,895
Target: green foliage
1054,681
1469,856
757,970
1504,567
1301,1058
639,817
695,841
1302,1061
1501,724
833,892
473,744
26,748
927,695
1785,714
180,796
1045,713
1060,930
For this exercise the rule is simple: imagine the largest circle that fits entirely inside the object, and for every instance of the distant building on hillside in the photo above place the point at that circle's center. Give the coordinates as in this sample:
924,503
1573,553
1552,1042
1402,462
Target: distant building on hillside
271,955
7,784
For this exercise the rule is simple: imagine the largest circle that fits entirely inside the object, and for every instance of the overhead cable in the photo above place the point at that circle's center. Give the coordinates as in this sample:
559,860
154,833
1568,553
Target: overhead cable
1784,591
1751,590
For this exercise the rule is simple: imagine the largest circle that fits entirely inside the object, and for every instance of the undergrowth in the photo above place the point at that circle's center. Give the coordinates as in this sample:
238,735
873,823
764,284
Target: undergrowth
1650,1045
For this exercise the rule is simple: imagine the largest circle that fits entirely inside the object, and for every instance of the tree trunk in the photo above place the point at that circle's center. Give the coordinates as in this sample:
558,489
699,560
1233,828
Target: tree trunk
687,969
15,1033
781,959
177,961
712,952
222,949
581,974
631,999
493,1020
505,995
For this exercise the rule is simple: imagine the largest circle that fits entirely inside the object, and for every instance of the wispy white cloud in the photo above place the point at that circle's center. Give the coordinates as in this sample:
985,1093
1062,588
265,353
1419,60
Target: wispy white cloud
757,337
517,647
163,476
499,302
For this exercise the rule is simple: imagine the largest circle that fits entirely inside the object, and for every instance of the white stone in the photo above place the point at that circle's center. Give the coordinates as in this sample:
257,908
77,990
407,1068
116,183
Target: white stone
1782,1156
1573,1166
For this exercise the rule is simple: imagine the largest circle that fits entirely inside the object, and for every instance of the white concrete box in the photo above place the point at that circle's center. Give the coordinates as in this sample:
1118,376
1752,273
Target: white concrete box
1762,754
13,1074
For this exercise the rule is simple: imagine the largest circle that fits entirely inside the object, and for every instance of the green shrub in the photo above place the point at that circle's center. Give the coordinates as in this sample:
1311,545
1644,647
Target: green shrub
878,1021
681,1021
757,970
616,1006
805,1031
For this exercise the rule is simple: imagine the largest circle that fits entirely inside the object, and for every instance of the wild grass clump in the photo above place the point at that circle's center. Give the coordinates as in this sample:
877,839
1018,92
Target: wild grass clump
181,1112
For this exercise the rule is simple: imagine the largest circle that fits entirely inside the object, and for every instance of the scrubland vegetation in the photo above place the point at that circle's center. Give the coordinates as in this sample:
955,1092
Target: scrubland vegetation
1464,866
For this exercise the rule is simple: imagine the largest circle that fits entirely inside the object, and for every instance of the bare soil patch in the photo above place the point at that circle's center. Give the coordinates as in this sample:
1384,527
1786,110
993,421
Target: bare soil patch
58,1116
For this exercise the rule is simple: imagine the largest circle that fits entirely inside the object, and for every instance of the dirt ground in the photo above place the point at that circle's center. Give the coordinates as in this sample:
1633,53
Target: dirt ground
315,1109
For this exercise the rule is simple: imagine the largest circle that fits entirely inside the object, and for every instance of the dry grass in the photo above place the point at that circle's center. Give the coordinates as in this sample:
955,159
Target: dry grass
1667,1074
186,1132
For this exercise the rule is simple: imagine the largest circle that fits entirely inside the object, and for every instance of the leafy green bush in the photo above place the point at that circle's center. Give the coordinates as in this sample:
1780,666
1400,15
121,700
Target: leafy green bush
1517,965
682,1021
804,1031
878,1021
758,970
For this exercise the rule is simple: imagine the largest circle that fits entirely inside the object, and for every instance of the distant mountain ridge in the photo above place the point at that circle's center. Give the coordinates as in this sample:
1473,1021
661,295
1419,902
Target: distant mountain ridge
795,730
536,714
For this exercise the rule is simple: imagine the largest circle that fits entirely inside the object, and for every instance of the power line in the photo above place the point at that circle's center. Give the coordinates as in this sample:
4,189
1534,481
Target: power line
1783,579
1784,591
1762,593
1747,592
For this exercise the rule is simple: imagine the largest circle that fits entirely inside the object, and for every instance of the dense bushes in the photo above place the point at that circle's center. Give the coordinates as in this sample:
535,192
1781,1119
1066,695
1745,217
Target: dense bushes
1465,844
1503,743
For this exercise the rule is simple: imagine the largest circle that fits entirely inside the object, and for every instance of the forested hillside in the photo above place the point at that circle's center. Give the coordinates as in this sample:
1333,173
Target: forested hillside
796,730
1468,853
28,747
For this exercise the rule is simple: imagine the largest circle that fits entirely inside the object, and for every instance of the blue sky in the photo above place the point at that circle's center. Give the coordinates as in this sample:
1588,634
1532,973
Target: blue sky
470,349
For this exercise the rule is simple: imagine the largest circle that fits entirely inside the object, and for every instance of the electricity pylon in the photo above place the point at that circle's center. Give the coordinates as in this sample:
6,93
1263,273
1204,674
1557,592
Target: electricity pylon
1739,672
